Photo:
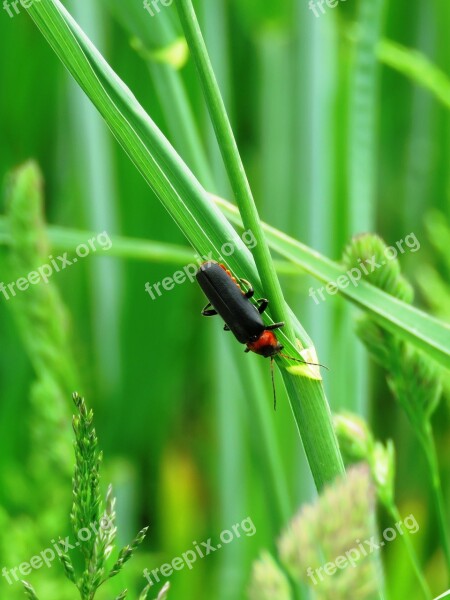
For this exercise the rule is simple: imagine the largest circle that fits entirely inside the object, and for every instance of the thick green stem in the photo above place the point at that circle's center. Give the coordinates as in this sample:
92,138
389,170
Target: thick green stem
232,159
307,397
313,417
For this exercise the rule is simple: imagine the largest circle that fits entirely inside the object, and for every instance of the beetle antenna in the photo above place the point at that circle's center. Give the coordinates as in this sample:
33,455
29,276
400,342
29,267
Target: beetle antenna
303,362
272,372
273,384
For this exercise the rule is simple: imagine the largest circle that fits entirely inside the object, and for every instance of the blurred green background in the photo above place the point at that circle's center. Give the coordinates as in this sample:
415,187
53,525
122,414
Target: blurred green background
335,143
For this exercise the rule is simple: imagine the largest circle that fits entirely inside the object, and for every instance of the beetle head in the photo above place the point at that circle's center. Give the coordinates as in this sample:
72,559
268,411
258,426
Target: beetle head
266,344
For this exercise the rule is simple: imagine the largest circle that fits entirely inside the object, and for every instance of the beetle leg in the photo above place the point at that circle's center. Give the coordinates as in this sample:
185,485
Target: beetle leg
208,311
226,328
247,350
250,291
263,303
274,326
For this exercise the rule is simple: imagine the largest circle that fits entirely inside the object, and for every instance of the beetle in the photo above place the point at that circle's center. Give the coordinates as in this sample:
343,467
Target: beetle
243,318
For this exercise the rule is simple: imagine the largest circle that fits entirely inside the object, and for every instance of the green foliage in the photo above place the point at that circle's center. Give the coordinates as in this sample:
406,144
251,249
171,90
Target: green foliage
307,396
322,532
388,278
42,325
163,594
357,444
126,553
364,91
433,284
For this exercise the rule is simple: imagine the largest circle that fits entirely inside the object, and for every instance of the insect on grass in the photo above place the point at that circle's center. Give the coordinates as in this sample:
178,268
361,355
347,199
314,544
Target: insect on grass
241,316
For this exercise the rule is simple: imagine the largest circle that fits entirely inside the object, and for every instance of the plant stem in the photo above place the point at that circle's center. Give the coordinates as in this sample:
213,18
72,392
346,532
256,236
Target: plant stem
232,159
395,514
307,397
436,487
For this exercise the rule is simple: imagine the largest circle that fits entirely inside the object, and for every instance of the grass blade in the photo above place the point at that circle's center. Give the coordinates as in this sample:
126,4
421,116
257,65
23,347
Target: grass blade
231,157
417,67
425,332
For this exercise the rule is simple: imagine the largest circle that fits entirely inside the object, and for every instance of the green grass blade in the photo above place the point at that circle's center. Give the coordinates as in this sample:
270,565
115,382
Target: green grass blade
417,67
425,332
232,159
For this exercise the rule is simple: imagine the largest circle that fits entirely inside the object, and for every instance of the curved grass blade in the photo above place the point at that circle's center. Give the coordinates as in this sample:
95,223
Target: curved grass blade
417,67
411,324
